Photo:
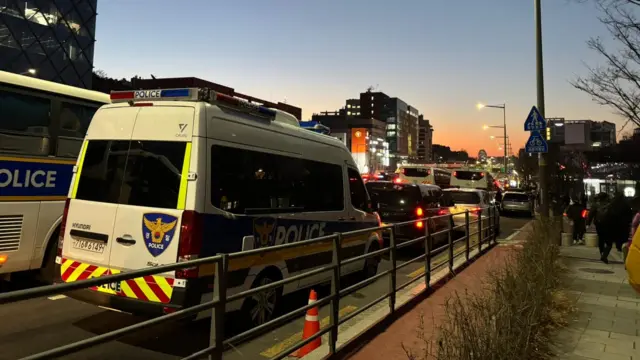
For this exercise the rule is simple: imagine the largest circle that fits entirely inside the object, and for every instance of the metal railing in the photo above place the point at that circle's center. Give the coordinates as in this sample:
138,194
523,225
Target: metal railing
487,234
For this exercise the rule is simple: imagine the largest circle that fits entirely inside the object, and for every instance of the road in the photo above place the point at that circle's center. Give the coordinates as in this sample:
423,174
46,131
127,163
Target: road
36,325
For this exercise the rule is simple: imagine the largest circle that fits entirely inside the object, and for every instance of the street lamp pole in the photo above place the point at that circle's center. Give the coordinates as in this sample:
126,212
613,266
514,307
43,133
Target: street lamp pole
542,158
504,118
504,127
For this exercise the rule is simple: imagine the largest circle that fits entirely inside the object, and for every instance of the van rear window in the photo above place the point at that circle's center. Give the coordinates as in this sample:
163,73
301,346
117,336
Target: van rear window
137,172
415,172
468,175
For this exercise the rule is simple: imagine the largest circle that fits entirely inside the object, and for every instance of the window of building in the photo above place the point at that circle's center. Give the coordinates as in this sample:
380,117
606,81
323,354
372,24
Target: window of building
371,111
252,182
371,98
24,128
359,197
348,106
348,112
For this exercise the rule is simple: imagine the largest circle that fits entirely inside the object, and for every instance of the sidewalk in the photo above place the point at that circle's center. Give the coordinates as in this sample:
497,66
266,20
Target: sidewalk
404,331
607,321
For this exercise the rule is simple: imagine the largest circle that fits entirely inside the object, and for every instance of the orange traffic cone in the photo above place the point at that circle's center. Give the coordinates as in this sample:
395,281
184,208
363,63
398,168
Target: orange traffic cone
311,327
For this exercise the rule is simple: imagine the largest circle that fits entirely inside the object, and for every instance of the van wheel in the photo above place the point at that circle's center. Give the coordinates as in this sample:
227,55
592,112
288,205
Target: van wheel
261,307
371,264
48,271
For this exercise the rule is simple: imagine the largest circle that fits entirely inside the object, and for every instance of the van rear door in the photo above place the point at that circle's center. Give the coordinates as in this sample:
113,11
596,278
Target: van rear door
132,191
93,199
153,192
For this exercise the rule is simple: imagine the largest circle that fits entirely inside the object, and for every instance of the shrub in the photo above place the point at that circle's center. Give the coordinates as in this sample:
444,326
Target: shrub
514,316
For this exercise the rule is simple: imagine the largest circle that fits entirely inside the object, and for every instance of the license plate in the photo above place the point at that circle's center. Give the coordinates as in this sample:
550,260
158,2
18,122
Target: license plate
88,245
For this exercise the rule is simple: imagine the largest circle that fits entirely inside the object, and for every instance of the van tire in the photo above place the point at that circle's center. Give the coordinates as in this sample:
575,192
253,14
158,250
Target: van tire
370,267
262,307
47,272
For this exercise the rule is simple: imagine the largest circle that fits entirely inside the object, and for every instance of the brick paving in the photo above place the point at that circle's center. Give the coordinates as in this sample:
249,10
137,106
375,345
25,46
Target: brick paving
606,324
404,331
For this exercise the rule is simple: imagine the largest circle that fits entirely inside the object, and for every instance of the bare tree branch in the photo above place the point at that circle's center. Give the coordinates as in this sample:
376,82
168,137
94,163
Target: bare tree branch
616,83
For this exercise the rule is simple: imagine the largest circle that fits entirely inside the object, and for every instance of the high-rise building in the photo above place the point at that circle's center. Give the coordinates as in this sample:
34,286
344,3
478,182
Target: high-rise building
425,139
401,123
50,39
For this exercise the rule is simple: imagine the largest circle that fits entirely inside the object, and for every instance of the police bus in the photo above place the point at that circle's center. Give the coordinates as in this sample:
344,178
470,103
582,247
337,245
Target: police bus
176,174
42,126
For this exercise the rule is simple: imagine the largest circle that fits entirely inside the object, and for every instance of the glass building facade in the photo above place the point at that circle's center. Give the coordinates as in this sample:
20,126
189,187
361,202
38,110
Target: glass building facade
53,39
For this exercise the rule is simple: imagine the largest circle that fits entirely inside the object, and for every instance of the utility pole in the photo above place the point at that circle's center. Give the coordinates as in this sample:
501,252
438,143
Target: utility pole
542,158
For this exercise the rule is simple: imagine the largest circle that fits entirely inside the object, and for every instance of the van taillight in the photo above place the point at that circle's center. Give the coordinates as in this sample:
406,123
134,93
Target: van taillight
455,174
63,225
190,242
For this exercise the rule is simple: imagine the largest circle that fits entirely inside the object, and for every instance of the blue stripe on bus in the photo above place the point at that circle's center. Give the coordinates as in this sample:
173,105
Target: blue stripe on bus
33,179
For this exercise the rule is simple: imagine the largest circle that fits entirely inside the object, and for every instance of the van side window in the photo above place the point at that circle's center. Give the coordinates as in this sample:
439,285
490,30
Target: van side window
74,122
359,197
253,182
24,128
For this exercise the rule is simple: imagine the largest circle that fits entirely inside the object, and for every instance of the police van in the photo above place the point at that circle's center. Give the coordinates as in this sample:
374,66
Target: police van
178,174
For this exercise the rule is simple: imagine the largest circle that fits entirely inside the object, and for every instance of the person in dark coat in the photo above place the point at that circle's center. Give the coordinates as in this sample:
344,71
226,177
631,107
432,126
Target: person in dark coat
620,217
575,212
598,215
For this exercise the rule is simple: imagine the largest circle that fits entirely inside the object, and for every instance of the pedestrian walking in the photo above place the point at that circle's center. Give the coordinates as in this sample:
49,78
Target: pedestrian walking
620,217
599,216
575,212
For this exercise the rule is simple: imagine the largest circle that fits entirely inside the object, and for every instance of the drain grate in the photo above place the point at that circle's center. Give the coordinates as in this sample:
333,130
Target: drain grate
596,271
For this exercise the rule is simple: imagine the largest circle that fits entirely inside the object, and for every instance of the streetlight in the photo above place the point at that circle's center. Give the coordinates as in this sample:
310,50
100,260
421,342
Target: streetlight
504,126
31,71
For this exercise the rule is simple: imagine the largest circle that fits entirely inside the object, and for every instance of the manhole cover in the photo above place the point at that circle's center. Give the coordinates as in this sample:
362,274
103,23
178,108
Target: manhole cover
596,271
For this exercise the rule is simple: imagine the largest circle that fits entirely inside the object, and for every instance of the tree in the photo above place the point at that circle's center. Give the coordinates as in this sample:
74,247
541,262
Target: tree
100,73
616,83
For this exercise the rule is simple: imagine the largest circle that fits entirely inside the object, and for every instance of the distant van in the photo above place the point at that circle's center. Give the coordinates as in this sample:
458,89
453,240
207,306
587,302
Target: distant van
418,174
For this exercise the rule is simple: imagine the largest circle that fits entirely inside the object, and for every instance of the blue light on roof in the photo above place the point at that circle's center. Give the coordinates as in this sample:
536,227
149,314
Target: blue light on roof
175,93
266,111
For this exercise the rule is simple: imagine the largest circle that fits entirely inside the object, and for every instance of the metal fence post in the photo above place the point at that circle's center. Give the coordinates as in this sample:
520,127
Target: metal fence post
427,258
335,293
467,230
450,238
480,235
216,336
496,219
392,275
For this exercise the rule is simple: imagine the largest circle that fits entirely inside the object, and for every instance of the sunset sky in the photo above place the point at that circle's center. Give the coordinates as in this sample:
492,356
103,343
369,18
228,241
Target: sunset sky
440,56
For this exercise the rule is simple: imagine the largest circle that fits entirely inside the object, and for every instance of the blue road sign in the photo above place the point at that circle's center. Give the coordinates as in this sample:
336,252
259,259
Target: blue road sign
536,143
534,121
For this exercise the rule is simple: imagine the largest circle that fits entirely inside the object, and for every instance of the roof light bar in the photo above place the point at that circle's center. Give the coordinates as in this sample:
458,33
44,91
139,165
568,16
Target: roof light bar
190,94
155,94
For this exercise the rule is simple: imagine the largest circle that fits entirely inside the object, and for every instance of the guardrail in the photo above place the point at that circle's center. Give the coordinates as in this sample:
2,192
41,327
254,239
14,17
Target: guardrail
486,235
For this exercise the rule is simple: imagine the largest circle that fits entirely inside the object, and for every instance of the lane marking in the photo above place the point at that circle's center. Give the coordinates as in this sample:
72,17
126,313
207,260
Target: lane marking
57,297
288,342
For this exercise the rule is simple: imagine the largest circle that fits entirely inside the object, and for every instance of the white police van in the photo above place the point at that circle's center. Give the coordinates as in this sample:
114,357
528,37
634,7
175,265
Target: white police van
177,174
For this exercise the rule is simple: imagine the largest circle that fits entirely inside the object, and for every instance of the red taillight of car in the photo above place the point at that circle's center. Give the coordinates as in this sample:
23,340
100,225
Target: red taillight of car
397,180
419,212
190,243
455,174
442,212
420,224
584,213
63,226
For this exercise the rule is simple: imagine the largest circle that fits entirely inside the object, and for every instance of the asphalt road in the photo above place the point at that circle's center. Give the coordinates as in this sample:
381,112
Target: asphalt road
37,325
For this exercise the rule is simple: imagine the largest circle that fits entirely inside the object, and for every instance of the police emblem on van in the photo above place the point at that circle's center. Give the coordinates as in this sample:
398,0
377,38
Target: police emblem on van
158,231
264,231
